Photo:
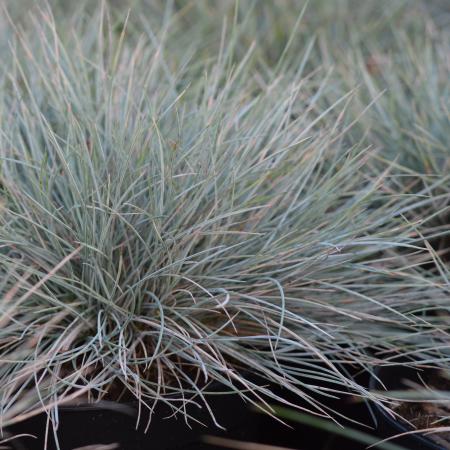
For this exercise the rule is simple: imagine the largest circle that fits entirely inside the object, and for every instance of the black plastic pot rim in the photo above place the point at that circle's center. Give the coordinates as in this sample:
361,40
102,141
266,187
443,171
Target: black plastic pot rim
402,427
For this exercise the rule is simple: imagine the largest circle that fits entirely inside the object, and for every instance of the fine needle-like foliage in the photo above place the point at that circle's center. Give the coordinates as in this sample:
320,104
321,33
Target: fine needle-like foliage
410,122
167,222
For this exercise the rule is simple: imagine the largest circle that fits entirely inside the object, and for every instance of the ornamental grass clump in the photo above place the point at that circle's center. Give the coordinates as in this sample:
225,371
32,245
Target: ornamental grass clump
410,118
161,230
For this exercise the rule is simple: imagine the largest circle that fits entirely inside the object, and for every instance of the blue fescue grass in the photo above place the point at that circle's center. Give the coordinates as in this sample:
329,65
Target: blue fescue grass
169,220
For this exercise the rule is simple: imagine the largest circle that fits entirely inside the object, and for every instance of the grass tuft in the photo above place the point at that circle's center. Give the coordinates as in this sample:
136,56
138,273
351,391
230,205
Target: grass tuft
170,219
